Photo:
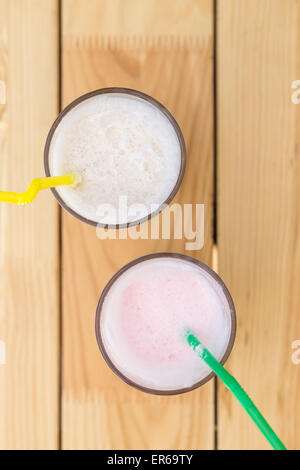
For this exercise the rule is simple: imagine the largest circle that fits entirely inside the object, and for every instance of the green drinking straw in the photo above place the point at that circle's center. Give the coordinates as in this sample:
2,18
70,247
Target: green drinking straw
237,391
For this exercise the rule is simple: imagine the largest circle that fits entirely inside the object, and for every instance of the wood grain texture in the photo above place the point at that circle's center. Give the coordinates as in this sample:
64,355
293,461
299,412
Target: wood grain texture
258,211
29,235
164,49
138,17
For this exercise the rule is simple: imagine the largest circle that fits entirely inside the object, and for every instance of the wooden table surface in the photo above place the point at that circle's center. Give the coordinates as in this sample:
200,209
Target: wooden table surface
225,70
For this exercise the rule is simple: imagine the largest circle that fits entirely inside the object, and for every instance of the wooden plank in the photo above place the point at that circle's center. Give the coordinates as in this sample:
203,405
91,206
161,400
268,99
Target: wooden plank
29,235
258,213
164,49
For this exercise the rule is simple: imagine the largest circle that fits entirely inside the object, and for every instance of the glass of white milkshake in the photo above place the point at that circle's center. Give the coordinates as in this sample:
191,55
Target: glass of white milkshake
128,150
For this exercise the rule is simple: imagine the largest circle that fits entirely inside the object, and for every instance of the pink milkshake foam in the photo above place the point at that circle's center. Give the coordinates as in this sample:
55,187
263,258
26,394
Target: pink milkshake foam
146,312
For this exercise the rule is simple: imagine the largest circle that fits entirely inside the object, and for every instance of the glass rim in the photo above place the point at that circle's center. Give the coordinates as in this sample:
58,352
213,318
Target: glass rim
145,97
119,273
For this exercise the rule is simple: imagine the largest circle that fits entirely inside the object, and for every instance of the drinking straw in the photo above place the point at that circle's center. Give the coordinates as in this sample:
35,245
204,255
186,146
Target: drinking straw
240,394
36,185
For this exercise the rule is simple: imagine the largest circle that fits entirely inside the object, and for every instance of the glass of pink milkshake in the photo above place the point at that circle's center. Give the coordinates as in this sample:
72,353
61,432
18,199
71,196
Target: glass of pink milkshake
144,312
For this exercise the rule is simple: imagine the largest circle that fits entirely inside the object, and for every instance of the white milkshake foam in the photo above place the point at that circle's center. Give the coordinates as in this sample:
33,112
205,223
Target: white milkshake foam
121,145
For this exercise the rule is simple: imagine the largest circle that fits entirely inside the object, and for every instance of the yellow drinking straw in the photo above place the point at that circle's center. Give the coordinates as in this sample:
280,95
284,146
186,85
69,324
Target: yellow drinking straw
36,185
